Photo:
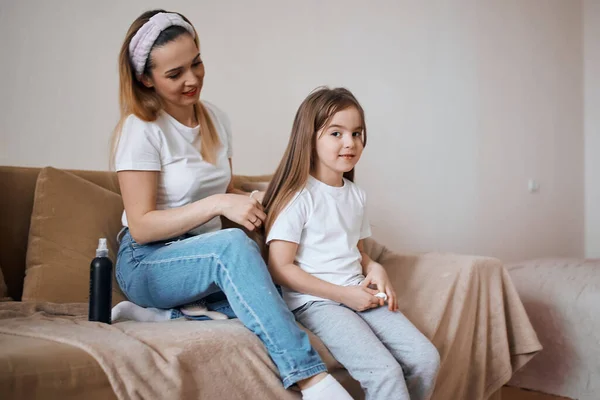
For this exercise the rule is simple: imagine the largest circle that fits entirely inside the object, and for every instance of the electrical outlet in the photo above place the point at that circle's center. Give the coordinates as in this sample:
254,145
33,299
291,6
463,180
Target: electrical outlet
533,186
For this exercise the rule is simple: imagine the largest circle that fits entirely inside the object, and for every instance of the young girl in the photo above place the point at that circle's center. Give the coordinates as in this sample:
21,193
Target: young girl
315,227
173,157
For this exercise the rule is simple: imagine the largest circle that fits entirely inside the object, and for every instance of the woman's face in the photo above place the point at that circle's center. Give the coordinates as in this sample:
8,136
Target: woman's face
177,73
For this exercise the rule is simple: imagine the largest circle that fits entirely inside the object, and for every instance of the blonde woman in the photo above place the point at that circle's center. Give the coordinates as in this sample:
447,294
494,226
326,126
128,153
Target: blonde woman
172,154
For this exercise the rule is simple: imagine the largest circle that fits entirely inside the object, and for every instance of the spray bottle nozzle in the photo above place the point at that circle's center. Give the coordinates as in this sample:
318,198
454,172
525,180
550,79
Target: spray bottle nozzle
102,250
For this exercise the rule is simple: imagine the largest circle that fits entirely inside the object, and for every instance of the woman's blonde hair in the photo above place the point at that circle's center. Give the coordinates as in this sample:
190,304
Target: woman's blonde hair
144,102
314,114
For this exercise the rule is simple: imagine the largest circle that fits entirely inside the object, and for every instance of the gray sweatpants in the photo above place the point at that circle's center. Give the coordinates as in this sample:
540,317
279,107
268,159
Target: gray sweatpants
381,349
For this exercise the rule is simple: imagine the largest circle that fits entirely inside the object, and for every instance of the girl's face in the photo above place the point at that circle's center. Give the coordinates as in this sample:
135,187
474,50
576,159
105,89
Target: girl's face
178,72
339,146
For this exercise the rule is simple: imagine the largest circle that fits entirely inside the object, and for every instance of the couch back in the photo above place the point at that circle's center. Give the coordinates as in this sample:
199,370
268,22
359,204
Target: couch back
17,188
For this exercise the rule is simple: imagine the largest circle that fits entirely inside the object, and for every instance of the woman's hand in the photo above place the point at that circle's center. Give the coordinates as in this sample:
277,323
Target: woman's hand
378,277
359,298
259,196
243,210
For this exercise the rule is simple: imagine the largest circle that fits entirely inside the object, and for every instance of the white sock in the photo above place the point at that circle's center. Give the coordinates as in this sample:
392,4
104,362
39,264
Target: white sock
129,310
197,310
326,389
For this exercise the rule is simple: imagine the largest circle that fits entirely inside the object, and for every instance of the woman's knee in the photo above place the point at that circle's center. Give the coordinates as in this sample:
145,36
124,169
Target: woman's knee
236,234
239,240
241,246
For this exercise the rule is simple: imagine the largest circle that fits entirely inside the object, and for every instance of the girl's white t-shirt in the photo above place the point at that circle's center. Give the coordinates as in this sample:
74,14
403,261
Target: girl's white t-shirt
327,222
168,146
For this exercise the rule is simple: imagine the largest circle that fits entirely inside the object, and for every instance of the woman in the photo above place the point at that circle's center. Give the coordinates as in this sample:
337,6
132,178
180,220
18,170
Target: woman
173,154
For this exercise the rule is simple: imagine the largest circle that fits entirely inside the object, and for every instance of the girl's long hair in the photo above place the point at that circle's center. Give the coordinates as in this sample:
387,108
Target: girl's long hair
314,114
144,102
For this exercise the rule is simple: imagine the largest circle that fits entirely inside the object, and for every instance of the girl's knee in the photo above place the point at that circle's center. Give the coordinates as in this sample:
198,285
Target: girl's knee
431,358
392,372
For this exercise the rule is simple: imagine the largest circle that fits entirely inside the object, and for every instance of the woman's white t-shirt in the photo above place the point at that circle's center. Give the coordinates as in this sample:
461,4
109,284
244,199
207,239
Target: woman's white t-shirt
168,146
326,222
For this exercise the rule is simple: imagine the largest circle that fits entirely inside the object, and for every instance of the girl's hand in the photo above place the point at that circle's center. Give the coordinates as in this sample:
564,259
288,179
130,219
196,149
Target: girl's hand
378,277
243,210
359,298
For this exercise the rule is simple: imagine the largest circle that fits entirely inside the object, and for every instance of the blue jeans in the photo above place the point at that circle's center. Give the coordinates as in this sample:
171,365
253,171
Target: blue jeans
169,274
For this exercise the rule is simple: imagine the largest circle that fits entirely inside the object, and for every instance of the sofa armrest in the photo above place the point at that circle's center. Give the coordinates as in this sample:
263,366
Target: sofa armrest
404,268
469,308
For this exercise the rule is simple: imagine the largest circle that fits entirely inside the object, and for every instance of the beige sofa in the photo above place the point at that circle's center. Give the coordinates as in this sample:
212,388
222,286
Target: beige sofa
49,225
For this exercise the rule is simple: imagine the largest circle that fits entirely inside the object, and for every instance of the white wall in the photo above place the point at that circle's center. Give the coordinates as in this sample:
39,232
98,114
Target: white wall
591,18
465,101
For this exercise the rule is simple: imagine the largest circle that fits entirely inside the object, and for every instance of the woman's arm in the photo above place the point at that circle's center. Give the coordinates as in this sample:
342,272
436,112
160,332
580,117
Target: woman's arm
286,273
147,224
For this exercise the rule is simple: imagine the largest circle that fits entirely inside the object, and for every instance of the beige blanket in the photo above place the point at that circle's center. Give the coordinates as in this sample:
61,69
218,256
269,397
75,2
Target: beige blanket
562,297
467,305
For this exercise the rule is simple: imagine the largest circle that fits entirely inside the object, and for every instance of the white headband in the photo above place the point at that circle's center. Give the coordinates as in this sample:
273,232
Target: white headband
144,38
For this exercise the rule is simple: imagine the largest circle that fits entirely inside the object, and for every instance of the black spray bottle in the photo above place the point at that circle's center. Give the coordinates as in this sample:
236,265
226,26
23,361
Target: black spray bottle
101,285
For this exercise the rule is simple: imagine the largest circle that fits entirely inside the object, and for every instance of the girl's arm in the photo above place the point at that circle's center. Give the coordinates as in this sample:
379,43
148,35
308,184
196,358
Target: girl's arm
284,272
147,224
375,275
366,262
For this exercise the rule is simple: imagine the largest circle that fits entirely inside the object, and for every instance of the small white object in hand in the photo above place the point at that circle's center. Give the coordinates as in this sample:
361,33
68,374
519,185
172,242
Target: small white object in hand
381,295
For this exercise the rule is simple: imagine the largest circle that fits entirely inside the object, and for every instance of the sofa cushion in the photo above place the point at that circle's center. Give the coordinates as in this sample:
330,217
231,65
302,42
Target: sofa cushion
33,368
234,361
69,215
